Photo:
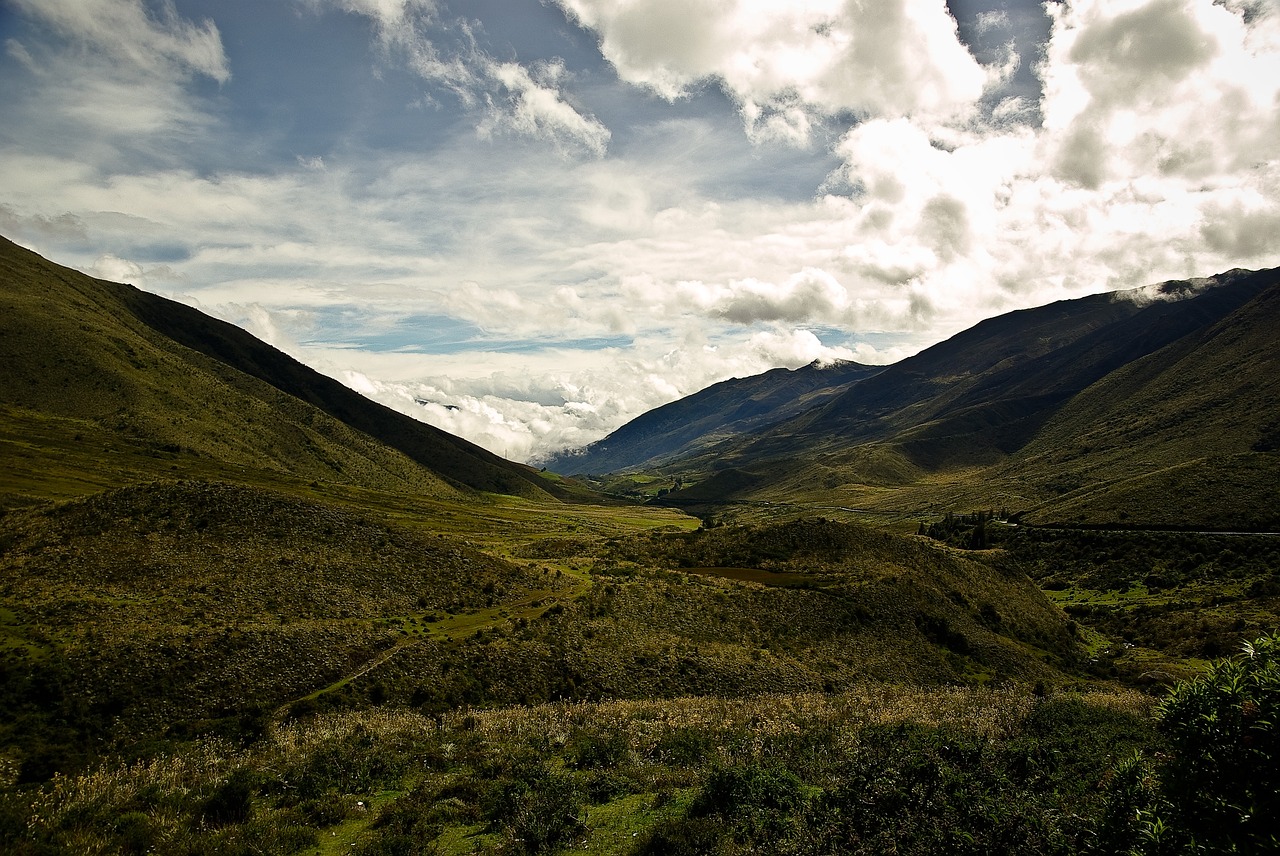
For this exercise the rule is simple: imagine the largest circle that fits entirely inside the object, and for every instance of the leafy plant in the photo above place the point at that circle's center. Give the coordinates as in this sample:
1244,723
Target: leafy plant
1217,790
1222,780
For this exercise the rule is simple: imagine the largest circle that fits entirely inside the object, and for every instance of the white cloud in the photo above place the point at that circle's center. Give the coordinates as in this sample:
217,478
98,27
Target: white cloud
794,348
152,277
62,227
508,96
993,20
116,269
811,295
1180,88
538,109
155,39
533,404
18,51
789,63
1242,232
113,78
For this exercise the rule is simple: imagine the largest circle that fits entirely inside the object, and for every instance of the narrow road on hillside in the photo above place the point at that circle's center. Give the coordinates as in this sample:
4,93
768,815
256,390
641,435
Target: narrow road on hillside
454,628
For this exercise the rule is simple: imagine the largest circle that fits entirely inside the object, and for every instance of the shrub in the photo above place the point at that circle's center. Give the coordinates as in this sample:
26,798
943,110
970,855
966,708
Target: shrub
686,836
1222,781
593,750
759,802
1218,788
134,833
1126,811
231,802
328,809
540,812
685,746
913,789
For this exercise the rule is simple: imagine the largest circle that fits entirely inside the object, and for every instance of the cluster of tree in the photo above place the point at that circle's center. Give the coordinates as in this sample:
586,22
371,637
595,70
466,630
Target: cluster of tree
970,531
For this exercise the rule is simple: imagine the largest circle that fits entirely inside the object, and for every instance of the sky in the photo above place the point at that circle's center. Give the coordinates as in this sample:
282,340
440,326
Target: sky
529,221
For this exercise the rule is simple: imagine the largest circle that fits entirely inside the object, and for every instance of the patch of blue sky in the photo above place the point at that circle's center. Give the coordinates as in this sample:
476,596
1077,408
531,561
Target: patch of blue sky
435,334
533,345
833,336
310,77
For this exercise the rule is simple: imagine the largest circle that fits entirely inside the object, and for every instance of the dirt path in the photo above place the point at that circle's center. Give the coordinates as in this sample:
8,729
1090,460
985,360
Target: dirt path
453,628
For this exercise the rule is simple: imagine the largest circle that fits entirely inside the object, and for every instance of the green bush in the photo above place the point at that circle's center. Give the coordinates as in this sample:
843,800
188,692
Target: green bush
328,809
685,836
685,746
1217,788
1127,809
1222,780
539,812
231,802
758,802
594,750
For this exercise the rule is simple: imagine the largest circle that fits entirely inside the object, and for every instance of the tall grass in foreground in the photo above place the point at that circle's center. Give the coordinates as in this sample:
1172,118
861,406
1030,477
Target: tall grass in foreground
614,777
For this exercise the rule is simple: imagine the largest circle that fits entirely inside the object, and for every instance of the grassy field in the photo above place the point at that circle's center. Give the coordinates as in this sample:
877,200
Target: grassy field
606,778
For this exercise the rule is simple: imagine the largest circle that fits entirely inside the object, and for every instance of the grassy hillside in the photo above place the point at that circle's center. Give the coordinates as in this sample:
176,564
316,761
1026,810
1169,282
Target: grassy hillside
1187,434
987,391
706,613
85,362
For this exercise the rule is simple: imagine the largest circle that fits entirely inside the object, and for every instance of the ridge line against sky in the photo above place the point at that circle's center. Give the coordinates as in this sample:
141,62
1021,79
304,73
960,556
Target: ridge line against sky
529,222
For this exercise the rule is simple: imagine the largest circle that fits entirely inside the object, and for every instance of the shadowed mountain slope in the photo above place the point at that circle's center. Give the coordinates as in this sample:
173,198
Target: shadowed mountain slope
1191,431
111,365
1166,388
986,392
721,412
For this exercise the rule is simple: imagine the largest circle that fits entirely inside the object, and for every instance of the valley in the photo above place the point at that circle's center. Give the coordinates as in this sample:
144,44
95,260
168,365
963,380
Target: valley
245,610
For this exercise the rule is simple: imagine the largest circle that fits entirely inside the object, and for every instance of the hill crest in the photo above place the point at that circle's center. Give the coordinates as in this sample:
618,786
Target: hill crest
102,360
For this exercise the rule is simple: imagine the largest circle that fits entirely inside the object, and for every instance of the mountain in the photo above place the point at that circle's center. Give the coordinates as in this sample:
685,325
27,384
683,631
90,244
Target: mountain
721,412
1156,378
1190,432
997,382
90,365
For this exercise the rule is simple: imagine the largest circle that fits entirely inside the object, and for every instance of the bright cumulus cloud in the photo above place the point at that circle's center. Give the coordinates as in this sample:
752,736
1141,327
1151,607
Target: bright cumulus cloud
529,227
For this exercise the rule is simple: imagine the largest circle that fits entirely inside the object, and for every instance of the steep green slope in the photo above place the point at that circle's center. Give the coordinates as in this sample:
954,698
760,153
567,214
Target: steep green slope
1190,433
114,369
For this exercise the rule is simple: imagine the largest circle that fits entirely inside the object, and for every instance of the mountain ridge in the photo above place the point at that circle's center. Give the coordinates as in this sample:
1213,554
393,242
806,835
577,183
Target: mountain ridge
950,424
720,412
128,364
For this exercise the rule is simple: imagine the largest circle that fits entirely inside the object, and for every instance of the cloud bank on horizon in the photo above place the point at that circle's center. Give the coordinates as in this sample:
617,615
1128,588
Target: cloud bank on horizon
528,222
